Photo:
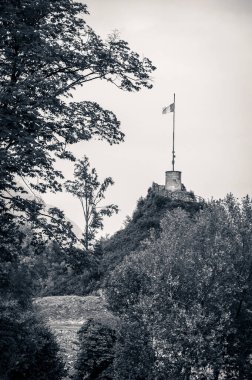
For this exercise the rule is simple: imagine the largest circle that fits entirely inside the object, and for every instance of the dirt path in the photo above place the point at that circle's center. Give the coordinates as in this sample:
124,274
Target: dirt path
66,335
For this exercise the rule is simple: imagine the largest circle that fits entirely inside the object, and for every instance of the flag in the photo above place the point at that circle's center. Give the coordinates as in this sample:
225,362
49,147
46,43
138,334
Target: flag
169,108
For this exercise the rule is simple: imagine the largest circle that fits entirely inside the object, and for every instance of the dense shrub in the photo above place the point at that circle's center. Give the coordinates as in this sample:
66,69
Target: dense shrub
97,351
135,356
28,350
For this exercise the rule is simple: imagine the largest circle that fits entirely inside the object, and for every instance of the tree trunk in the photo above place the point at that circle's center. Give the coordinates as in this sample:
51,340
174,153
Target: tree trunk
216,373
187,373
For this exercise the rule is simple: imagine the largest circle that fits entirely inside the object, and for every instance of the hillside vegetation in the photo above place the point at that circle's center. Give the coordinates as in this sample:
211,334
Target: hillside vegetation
145,223
58,273
184,298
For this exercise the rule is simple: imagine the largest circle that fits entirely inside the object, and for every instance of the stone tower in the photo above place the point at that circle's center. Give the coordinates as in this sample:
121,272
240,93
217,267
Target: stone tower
173,181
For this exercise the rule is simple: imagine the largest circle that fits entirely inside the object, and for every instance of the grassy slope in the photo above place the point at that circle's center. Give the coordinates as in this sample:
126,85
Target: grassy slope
66,314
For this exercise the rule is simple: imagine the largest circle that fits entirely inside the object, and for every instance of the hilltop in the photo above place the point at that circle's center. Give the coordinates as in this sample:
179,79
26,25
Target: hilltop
145,222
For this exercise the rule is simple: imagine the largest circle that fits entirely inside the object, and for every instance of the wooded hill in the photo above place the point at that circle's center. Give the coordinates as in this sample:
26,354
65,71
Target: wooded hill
144,224
56,272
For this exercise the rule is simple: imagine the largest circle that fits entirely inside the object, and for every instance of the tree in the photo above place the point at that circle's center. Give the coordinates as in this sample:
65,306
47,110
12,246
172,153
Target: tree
28,349
193,287
90,192
46,50
97,351
134,353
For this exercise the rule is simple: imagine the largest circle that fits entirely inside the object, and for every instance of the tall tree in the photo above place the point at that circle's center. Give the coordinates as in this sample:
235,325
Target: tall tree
90,192
46,51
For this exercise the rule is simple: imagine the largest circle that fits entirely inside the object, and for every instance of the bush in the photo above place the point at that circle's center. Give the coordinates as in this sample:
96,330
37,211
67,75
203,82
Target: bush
28,349
135,356
97,351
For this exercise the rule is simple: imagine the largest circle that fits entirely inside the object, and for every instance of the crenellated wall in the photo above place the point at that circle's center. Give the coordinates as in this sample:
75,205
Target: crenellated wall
182,194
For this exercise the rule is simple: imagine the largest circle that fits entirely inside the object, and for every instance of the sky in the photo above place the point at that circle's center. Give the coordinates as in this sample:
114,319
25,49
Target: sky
202,51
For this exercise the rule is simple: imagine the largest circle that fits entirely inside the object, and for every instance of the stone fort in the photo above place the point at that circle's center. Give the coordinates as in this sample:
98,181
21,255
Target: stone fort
174,188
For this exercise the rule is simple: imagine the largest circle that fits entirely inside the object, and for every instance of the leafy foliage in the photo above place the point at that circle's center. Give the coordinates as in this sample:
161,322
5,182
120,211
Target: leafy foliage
97,351
50,272
90,192
28,349
145,223
135,357
191,288
47,49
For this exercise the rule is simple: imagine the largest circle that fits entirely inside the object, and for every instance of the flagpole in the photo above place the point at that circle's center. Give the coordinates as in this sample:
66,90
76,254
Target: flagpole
173,136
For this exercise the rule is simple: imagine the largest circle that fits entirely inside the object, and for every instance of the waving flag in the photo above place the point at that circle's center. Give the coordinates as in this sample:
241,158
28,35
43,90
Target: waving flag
169,108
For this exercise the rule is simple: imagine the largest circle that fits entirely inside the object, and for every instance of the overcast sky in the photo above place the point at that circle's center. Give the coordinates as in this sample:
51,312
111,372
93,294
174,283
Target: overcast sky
202,51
